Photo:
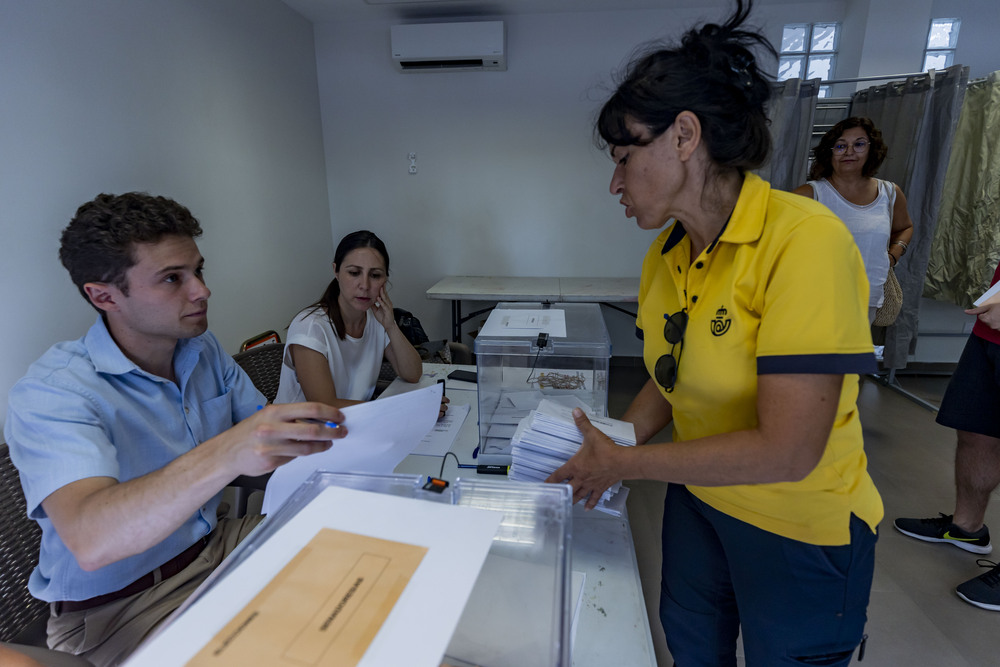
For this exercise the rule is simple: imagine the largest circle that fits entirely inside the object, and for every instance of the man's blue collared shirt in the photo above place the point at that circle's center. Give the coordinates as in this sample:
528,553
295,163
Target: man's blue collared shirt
85,410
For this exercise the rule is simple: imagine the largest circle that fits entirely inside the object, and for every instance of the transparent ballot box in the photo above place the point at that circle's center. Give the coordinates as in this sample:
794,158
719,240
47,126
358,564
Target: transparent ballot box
517,367
518,612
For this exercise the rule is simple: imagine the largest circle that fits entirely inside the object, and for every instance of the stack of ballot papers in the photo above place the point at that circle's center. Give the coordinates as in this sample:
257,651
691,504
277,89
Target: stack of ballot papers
548,437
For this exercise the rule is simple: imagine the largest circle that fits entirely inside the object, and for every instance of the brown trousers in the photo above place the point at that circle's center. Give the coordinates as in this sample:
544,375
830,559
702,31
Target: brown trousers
108,634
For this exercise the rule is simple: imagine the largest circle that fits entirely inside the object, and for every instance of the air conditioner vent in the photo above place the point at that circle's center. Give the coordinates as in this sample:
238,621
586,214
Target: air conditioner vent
449,47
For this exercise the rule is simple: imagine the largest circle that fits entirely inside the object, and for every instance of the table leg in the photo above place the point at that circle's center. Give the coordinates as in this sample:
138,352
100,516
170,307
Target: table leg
456,320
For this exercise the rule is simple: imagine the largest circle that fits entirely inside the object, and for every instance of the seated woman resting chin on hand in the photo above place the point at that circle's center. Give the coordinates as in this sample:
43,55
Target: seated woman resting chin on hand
335,346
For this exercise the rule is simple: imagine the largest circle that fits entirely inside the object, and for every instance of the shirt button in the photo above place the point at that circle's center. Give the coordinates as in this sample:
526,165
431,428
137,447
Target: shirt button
699,265
187,410
694,299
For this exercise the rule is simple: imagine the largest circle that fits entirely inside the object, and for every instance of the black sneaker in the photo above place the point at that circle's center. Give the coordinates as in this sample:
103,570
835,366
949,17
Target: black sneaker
984,590
941,529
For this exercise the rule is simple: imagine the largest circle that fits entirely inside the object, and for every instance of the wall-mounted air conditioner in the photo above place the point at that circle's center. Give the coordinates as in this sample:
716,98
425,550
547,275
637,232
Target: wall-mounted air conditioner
449,47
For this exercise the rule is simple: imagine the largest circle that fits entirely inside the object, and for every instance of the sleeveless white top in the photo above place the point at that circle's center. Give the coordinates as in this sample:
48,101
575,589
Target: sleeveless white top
870,225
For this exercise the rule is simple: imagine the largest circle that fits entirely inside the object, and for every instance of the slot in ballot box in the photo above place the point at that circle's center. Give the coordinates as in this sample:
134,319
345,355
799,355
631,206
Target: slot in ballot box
516,367
518,613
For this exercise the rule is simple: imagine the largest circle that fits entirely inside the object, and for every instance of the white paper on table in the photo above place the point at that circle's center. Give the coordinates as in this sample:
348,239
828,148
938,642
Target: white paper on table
444,432
417,630
380,434
504,322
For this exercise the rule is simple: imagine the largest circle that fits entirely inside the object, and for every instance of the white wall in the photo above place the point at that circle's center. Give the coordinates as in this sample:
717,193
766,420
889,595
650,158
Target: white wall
977,38
212,103
508,180
216,104
895,40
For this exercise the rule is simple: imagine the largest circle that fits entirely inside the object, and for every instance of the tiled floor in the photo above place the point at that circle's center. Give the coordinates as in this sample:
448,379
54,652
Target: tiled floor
915,618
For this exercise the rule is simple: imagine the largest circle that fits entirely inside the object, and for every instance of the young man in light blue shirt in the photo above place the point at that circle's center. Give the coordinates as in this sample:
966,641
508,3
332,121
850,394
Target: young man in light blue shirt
125,438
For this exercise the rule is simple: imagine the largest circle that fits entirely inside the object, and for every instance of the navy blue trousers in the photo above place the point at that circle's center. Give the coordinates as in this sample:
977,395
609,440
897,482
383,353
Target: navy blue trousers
796,603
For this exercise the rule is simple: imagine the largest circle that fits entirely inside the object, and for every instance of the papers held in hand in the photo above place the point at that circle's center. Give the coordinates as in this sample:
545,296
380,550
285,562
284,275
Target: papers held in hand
990,296
548,437
373,443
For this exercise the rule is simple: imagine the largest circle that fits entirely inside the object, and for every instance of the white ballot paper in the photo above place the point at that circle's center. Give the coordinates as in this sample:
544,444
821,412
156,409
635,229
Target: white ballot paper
380,434
503,322
281,607
548,437
444,432
989,296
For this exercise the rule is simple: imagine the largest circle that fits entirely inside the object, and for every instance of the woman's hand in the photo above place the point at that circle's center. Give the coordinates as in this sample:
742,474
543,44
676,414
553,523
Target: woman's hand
590,472
400,352
444,406
382,309
988,314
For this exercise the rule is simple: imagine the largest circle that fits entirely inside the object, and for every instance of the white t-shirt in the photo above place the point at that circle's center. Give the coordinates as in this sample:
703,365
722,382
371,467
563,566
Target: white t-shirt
870,225
354,362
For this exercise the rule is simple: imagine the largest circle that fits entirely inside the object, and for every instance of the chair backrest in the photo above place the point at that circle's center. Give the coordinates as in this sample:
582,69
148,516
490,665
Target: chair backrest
267,338
263,365
20,538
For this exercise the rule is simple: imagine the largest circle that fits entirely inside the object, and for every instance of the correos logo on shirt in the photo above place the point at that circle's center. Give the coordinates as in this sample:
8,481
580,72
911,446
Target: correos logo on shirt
721,323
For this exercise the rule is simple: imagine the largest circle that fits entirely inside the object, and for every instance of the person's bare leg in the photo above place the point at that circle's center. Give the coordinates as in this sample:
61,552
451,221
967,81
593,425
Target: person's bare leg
977,473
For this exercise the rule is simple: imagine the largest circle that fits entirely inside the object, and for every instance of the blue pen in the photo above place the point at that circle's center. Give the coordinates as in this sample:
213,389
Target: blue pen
320,421
312,421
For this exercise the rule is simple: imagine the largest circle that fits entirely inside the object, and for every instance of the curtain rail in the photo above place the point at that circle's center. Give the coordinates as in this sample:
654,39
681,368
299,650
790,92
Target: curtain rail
886,77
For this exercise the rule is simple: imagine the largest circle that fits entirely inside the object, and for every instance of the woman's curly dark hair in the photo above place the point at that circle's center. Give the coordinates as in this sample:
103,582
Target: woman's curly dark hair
822,166
713,73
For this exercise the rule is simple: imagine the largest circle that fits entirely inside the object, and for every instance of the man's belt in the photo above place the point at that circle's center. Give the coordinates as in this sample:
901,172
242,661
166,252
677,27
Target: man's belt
165,571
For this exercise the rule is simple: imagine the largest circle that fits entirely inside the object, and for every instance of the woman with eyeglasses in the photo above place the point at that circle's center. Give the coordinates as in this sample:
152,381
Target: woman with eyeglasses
752,310
842,177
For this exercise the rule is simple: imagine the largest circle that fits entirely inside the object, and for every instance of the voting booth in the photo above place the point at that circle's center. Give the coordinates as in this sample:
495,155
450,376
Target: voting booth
529,351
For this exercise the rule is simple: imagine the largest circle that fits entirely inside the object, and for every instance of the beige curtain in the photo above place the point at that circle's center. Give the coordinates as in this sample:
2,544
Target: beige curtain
966,245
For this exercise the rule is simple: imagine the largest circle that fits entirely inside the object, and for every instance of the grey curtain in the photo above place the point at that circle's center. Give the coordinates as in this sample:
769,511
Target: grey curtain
791,111
917,118
966,244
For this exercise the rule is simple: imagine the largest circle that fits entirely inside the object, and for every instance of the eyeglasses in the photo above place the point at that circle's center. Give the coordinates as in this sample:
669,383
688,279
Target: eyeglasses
860,146
665,370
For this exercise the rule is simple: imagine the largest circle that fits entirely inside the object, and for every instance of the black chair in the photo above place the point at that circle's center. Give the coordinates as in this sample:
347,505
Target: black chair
22,617
263,364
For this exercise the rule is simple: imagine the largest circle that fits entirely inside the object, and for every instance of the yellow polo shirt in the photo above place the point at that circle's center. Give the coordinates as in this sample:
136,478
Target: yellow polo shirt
781,290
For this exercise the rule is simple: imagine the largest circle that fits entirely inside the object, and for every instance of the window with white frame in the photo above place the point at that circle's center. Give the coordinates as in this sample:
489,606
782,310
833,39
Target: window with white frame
942,39
809,51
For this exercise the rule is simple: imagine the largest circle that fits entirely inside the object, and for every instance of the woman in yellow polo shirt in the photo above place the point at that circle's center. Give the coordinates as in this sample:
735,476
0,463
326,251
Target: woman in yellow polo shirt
753,313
